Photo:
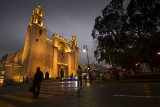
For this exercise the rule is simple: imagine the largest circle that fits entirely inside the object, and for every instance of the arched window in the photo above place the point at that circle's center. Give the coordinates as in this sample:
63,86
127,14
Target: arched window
30,31
39,22
40,32
39,13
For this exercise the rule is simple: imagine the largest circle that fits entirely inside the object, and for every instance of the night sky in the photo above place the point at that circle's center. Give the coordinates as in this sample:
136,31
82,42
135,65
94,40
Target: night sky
63,17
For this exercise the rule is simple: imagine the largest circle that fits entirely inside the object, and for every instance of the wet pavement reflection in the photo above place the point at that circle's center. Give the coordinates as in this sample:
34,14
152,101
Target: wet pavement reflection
67,93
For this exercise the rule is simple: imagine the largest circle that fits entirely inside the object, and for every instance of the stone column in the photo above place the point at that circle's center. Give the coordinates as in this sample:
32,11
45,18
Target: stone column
55,65
69,64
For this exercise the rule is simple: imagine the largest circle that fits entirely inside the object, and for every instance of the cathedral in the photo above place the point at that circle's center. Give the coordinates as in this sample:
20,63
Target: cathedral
57,58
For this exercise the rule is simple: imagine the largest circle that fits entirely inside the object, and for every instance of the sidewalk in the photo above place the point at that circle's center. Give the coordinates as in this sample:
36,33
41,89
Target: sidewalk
127,81
93,81
21,83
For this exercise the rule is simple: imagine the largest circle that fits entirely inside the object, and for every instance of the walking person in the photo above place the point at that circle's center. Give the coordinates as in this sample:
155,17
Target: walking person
35,87
27,81
79,73
23,80
90,76
85,78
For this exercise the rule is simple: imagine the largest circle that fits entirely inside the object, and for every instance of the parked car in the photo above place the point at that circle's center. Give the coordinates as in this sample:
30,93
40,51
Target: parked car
65,79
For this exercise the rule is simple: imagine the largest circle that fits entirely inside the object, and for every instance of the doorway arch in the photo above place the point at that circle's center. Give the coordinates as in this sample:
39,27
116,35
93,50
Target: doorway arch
46,76
62,73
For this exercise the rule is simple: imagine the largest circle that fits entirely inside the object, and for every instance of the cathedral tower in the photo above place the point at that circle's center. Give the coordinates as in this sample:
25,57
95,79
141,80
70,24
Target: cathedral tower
35,44
74,54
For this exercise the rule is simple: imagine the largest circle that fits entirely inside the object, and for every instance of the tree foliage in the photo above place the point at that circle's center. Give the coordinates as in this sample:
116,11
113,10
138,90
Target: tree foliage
127,34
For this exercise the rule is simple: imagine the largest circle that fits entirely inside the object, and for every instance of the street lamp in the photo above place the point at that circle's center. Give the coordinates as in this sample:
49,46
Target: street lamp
84,50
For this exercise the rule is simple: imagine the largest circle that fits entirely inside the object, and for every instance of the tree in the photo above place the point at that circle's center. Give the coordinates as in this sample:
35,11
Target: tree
110,31
143,22
153,45
125,35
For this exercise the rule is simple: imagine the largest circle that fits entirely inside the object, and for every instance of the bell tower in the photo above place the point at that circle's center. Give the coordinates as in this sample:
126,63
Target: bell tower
37,17
74,54
35,44
74,40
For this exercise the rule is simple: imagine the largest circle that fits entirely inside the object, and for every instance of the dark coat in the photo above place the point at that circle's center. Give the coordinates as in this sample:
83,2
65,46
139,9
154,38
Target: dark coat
38,77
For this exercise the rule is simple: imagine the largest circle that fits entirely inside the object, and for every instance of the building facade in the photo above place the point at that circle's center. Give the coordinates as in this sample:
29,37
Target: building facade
56,58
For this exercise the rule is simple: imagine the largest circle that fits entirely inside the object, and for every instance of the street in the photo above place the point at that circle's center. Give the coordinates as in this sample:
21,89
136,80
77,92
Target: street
66,94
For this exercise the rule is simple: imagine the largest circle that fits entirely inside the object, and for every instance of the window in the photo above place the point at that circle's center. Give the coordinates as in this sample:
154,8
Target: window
39,22
40,32
39,13
30,32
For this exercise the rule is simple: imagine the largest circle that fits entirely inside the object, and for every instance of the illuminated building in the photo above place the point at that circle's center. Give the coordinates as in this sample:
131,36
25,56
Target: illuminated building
57,57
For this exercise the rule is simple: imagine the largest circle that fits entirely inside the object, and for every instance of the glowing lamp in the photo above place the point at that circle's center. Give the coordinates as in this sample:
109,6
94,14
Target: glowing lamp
84,50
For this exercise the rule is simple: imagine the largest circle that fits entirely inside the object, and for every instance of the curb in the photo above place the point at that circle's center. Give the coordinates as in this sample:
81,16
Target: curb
128,81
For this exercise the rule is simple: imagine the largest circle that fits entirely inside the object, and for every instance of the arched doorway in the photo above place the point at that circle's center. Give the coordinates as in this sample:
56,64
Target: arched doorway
46,76
62,73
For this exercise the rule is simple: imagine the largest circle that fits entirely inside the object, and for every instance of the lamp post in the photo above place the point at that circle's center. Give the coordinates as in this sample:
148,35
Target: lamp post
84,50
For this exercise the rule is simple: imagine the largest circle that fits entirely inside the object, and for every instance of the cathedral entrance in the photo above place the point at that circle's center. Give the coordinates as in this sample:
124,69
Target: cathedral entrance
46,76
62,71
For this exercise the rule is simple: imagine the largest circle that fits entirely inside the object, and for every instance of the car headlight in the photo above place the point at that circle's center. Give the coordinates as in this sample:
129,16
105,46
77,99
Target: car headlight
76,77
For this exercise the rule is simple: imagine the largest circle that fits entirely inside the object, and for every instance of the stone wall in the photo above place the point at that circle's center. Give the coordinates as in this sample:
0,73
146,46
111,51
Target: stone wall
12,58
12,72
48,59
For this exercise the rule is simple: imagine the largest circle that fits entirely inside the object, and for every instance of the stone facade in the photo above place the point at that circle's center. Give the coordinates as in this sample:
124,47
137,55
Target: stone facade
58,57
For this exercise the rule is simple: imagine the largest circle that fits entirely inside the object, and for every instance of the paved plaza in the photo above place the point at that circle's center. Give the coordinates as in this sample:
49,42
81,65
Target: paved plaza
66,94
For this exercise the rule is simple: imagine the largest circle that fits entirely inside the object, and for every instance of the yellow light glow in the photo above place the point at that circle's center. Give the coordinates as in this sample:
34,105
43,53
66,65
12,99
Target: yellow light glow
17,78
88,84
61,38
39,6
62,64
84,50
36,20
158,53
17,66
1,77
3,72
50,41
1,81
148,96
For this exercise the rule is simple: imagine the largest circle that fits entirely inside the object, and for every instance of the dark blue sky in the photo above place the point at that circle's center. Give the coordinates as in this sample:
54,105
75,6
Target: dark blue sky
63,17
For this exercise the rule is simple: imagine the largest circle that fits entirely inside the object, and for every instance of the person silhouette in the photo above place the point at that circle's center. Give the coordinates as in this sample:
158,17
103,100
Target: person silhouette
90,76
38,77
27,81
79,73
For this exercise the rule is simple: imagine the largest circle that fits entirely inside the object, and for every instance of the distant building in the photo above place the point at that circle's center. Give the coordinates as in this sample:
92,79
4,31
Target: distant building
93,68
57,57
